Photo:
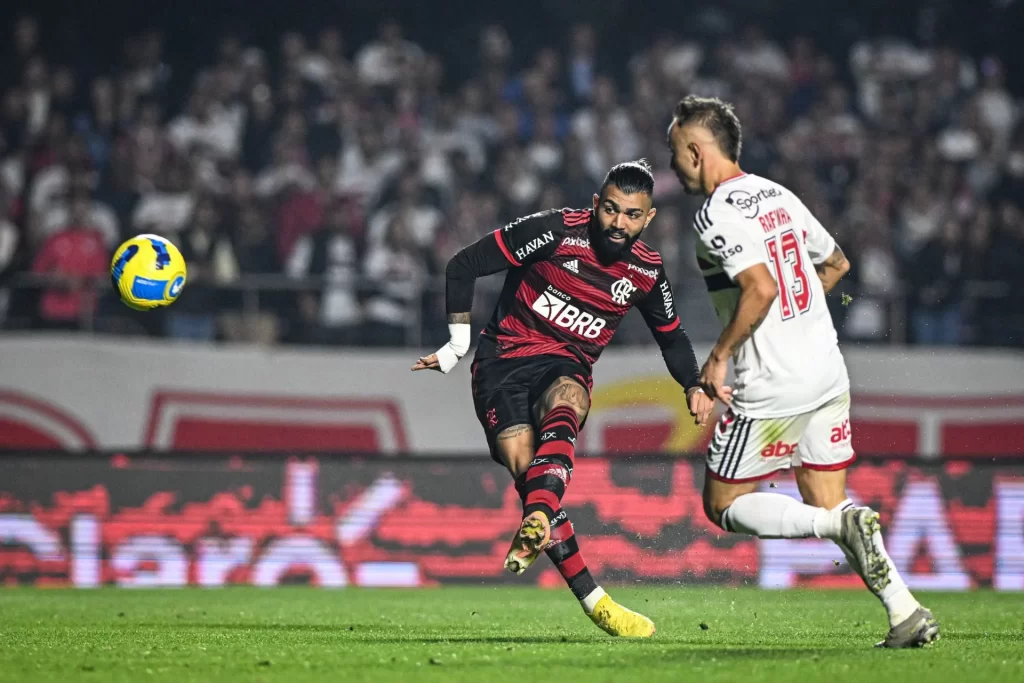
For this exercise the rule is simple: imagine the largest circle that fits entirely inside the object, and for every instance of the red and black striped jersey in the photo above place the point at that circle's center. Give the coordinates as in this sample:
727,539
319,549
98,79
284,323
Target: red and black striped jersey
559,299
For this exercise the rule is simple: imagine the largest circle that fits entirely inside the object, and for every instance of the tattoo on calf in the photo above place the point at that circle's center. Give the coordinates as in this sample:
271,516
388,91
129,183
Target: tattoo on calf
458,318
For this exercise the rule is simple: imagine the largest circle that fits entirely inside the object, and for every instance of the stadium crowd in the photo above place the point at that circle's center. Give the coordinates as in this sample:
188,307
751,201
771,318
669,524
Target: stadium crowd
353,172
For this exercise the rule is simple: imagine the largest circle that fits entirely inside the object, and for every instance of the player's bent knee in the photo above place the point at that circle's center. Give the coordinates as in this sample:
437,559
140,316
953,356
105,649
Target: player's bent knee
714,512
566,392
514,446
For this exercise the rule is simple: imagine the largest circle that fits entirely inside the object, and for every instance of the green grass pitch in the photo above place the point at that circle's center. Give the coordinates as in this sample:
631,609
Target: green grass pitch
490,635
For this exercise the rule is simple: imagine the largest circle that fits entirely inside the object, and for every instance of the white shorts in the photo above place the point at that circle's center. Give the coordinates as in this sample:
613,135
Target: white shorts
748,449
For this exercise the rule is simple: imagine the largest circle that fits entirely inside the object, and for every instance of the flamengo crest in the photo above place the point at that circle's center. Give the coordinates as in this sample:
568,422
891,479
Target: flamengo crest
621,290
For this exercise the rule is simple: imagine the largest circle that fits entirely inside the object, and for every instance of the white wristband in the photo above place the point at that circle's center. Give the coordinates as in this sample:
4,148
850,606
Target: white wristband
449,354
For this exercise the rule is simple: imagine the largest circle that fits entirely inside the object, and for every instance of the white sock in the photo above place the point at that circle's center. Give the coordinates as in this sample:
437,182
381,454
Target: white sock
773,515
896,597
590,602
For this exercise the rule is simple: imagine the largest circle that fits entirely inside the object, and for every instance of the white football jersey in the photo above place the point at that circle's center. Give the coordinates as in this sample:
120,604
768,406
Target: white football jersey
792,363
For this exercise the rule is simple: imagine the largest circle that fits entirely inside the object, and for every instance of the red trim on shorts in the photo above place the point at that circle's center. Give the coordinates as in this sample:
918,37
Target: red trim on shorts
717,477
829,468
504,249
668,328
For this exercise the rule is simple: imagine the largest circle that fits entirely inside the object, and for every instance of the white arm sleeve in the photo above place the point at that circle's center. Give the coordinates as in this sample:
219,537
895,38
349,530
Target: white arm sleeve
820,244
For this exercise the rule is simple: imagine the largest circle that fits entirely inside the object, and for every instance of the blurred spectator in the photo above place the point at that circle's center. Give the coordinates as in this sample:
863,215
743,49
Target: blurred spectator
256,254
332,315
365,165
419,218
936,281
889,140
9,239
396,270
75,257
207,125
756,55
921,217
166,209
608,130
1007,321
384,61
583,62
211,261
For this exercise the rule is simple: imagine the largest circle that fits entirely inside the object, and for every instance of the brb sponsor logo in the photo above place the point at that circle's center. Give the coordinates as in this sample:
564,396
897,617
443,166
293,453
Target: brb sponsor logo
841,434
554,306
778,450
750,204
643,271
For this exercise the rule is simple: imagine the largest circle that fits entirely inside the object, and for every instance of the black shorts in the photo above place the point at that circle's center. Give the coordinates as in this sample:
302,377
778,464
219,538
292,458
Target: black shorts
505,389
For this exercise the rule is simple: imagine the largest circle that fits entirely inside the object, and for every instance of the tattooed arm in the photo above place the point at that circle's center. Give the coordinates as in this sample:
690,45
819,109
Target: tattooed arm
522,241
758,291
831,270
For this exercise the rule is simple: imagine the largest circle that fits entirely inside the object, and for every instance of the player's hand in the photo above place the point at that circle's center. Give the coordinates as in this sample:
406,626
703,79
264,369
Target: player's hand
427,363
712,379
701,405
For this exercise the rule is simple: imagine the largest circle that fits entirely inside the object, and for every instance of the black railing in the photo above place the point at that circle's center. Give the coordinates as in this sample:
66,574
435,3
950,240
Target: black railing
254,295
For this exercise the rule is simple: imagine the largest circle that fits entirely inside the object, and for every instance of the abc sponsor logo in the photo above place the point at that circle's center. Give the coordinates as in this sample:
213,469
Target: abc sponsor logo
841,434
778,450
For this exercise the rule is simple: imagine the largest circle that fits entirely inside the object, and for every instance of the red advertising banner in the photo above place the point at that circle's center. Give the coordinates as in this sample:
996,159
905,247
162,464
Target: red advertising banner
172,520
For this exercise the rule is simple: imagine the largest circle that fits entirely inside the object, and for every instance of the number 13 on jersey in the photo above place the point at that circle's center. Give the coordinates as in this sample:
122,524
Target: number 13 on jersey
794,285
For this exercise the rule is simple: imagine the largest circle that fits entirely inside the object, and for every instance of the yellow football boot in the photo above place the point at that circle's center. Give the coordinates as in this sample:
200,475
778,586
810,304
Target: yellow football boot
616,620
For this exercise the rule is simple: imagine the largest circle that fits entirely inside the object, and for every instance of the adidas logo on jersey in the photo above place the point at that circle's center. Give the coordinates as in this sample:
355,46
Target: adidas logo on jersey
572,266
567,316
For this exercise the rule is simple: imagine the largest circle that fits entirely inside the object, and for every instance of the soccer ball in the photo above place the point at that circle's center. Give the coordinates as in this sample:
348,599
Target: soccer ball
147,272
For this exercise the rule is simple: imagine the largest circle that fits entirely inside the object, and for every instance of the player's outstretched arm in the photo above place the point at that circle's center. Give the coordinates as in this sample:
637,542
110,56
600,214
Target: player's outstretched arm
523,241
478,259
831,270
758,291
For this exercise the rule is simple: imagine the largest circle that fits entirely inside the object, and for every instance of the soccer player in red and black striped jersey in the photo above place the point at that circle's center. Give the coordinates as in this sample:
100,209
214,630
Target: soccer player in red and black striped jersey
573,275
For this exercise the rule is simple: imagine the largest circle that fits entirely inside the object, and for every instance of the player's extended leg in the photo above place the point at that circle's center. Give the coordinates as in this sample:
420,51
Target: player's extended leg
514,447
745,450
911,625
559,413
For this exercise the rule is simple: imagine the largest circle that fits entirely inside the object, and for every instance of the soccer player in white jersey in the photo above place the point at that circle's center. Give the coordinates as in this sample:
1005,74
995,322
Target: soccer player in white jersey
768,264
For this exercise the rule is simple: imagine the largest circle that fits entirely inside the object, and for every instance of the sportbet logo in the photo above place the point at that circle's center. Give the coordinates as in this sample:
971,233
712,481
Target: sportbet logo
566,315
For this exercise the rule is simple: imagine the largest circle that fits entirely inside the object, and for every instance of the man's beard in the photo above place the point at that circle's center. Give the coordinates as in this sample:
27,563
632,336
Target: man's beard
608,251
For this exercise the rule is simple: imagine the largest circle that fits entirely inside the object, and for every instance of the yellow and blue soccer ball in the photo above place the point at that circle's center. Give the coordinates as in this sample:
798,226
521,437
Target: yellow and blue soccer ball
147,272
